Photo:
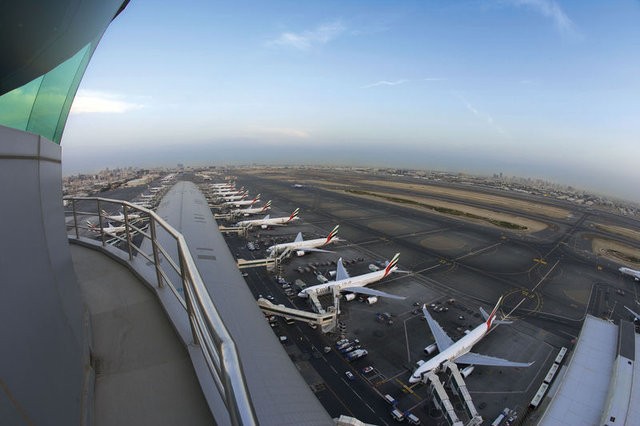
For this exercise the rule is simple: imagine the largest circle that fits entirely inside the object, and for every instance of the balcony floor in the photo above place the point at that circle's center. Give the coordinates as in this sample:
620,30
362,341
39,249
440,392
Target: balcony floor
144,375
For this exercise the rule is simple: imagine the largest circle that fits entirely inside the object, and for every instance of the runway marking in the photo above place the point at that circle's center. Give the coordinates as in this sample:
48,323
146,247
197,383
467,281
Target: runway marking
534,288
478,251
408,390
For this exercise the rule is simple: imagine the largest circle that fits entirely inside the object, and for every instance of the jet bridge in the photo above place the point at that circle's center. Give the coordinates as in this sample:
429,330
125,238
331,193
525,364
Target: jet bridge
240,230
327,322
441,399
460,388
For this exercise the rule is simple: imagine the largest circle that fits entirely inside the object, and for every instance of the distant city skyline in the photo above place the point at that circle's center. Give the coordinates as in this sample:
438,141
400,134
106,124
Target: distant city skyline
532,88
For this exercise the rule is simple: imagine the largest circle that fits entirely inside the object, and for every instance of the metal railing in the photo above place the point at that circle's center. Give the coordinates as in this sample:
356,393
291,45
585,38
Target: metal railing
207,328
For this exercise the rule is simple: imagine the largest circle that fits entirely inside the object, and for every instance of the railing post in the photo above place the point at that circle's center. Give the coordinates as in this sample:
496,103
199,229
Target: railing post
126,228
187,294
75,217
154,245
100,224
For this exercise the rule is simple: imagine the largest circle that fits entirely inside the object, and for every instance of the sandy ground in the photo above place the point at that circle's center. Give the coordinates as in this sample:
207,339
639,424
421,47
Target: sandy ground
603,247
625,232
531,225
528,206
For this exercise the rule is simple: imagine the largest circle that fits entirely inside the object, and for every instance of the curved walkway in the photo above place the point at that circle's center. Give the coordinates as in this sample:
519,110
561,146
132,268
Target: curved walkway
144,374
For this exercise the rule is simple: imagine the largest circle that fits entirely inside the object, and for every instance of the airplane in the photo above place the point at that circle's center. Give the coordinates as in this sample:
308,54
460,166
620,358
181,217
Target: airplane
241,203
459,351
111,230
632,272
155,189
269,221
120,217
636,316
148,196
344,282
227,192
231,198
300,246
252,210
226,189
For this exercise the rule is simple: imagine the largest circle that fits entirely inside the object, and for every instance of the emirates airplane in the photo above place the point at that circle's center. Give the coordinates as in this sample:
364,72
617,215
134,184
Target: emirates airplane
252,210
301,246
632,272
459,351
267,221
344,282
241,203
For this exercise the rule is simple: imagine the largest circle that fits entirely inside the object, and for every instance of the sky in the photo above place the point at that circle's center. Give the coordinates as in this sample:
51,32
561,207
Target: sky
533,88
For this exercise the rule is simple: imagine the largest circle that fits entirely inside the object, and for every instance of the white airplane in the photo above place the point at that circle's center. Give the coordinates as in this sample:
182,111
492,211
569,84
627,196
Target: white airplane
301,246
226,188
120,216
252,210
636,315
344,282
148,196
155,189
459,351
231,198
270,221
632,272
111,230
241,203
228,192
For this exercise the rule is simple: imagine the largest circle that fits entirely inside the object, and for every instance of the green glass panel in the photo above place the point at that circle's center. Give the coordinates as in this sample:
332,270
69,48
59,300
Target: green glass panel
42,105
16,105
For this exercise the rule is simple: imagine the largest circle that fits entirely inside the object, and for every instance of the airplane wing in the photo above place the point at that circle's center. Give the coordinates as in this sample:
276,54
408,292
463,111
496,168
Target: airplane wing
371,292
341,273
478,359
633,313
442,338
298,238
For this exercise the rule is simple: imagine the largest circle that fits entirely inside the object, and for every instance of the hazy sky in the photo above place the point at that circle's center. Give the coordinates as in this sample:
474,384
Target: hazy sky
536,88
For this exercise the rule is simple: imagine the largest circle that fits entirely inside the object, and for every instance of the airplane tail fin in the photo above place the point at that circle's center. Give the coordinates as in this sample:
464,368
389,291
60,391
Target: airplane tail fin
294,214
493,313
92,225
332,234
485,315
392,264
255,199
266,206
103,212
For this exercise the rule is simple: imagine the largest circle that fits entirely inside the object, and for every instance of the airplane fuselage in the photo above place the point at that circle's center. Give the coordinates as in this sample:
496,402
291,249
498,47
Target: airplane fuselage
243,202
631,272
266,222
230,198
453,352
250,210
359,281
297,245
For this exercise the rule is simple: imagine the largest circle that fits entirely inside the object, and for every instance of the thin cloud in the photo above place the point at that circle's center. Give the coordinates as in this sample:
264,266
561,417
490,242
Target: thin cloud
305,40
93,102
481,115
385,83
433,79
552,10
